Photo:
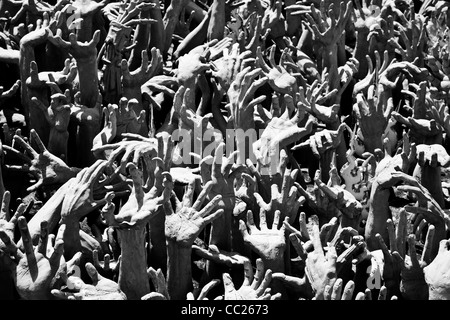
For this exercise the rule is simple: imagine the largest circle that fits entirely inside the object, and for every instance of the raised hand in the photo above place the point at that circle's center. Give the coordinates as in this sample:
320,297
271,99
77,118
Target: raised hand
58,117
100,289
254,287
46,167
327,26
133,147
283,196
37,268
221,171
130,222
182,228
373,115
268,243
86,56
279,78
242,101
324,145
133,80
8,225
280,133
229,65
435,274
320,267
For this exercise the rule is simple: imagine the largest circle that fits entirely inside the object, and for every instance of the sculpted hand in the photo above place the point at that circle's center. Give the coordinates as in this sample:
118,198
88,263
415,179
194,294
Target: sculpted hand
141,205
254,287
187,221
100,289
46,167
279,78
37,268
269,244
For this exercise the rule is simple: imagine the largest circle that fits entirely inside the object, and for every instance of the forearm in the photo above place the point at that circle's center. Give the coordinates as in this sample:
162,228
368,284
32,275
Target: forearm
86,134
195,38
216,26
170,21
361,50
330,62
141,42
221,230
379,212
87,73
26,56
430,178
57,143
157,36
50,212
72,240
158,255
179,272
133,279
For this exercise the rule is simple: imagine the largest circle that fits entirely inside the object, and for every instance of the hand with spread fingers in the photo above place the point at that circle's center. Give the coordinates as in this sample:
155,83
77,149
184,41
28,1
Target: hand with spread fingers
268,242
38,269
254,287
100,289
182,227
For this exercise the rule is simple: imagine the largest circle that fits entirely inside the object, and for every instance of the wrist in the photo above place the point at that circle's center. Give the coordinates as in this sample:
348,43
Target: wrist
275,264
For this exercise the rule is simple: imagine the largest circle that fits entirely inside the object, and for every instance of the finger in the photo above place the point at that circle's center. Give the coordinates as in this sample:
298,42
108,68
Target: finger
348,291
265,283
37,140
188,196
412,251
4,211
210,206
297,244
43,238
250,221
401,232
383,293
337,290
391,231
207,288
93,273
202,196
360,296
420,228
26,241
95,259
427,249
316,234
327,292
262,220
19,141
248,273
367,294
20,212
228,283
213,216
259,275
58,252
10,246
243,230
276,220
384,248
